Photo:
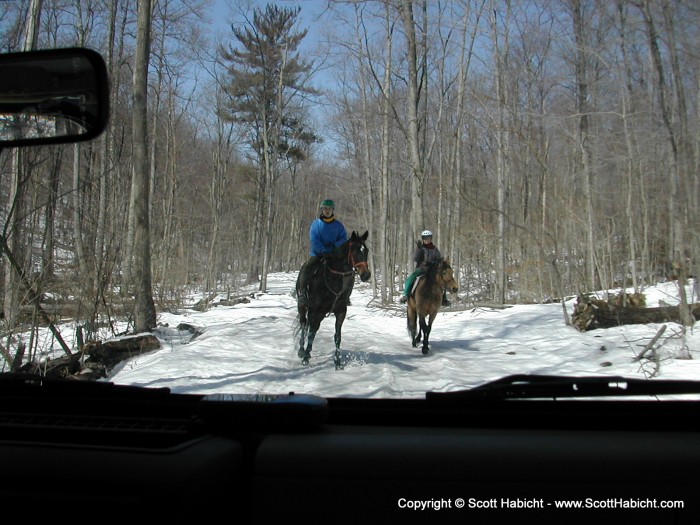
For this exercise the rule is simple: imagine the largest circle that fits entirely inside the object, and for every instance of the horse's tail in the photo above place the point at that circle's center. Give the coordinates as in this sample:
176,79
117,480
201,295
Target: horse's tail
410,328
296,327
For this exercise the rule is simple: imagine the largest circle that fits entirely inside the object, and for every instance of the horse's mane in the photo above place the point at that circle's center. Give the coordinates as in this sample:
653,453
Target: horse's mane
341,252
431,273
339,255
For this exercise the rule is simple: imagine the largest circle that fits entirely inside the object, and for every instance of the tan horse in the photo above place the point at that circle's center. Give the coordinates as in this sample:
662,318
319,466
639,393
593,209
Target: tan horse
426,301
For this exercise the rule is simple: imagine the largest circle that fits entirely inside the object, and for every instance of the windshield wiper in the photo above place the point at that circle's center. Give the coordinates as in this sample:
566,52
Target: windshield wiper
525,386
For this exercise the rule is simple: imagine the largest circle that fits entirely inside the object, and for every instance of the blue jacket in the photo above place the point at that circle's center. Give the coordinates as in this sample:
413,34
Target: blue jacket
326,235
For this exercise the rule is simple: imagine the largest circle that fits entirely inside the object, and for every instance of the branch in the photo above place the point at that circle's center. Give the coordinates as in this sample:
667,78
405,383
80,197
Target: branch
651,343
35,299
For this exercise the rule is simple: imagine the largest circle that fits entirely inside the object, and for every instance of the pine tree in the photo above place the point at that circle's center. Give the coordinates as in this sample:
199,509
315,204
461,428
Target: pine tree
267,89
267,80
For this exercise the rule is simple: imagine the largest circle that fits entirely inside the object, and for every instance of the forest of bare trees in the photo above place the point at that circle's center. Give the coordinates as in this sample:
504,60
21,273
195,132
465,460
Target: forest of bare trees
552,146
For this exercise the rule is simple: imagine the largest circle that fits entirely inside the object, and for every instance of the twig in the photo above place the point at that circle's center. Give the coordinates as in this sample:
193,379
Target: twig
651,343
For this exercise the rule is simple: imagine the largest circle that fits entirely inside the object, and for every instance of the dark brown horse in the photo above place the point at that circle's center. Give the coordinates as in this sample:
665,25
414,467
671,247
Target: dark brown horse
330,287
425,302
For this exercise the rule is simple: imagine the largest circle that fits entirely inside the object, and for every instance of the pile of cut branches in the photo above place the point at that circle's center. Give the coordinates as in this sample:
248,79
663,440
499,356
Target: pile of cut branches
590,313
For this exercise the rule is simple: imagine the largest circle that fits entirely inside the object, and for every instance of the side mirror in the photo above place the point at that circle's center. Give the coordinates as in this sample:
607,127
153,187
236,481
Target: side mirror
52,96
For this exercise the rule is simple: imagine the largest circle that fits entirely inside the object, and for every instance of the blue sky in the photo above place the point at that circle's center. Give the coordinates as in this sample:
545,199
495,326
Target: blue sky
222,14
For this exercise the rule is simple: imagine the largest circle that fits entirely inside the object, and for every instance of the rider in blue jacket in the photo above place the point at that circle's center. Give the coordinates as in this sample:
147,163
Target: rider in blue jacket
325,233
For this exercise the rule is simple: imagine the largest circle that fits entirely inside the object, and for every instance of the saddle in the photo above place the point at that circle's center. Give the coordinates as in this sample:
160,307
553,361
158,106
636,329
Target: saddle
415,283
321,263
445,301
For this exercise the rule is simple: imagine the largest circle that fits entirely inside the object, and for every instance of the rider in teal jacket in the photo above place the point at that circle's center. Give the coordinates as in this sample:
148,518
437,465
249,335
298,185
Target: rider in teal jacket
425,253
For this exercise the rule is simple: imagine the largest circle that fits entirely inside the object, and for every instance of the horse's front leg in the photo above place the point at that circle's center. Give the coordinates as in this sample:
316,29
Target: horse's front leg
303,330
312,325
339,319
418,332
425,328
309,344
411,323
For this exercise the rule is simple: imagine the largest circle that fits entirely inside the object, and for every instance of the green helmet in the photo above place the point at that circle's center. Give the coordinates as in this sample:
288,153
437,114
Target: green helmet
328,204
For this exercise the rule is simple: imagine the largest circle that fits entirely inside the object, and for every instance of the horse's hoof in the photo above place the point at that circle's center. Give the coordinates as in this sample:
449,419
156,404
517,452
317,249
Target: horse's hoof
305,360
425,350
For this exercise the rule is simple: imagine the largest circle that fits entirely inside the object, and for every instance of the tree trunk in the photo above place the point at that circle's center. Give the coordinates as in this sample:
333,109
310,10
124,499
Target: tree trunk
144,308
413,103
13,244
387,291
677,248
500,55
584,139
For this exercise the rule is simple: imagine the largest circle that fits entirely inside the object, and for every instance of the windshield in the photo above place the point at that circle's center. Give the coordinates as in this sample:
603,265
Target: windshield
530,169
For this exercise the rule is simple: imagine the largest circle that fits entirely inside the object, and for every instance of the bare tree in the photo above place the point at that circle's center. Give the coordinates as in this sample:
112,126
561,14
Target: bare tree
413,104
501,53
12,242
676,247
144,307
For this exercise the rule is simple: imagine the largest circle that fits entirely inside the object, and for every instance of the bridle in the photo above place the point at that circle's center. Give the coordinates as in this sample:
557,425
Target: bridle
438,274
356,266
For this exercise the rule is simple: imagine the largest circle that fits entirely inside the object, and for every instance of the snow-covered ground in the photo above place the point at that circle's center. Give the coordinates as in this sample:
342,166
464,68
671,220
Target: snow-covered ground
250,348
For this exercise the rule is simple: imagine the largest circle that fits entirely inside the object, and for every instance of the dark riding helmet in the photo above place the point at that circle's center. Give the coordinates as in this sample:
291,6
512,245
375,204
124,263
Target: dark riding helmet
327,204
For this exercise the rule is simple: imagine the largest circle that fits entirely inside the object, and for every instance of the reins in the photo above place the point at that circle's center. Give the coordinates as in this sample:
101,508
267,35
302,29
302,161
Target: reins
355,268
438,277
351,260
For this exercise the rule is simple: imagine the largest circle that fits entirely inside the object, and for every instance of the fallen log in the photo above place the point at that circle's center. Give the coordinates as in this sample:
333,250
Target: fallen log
590,314
109,353
95,359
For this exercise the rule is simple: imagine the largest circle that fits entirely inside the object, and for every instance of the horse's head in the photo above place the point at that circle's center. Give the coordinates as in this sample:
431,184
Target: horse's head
357,255
445,276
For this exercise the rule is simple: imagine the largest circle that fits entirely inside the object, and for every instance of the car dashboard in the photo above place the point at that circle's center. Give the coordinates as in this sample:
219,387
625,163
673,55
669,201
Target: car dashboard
97,452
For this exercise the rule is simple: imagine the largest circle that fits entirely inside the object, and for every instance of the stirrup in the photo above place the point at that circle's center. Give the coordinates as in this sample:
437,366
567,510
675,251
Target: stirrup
403,299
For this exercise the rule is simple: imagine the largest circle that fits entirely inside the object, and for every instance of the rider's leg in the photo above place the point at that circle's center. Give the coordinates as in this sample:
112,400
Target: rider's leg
409,284
304,274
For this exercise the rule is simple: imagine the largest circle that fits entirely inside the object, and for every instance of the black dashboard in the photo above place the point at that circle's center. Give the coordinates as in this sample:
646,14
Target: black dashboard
103,453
